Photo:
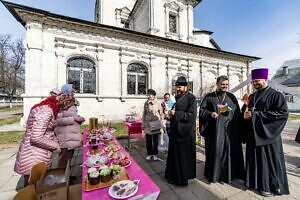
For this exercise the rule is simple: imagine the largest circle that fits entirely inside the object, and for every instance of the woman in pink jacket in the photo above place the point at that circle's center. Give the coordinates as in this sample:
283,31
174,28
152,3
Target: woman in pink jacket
39,140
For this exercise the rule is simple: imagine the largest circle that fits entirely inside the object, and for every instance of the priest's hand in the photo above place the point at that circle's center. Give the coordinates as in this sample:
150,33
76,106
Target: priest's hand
171,113
247,115
214,115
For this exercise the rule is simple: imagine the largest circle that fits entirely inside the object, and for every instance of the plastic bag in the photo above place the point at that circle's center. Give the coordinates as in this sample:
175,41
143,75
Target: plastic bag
163,143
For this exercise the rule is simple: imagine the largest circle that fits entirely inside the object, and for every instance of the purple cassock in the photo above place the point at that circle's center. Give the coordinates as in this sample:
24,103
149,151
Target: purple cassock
261,73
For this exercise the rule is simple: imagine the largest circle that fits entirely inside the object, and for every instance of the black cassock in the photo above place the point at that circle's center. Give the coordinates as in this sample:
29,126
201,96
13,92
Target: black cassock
223,150
265,166
181,161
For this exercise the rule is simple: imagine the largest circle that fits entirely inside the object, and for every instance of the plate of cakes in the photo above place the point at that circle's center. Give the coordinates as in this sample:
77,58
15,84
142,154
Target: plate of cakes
96,161
123,189
95,152
112,147
124,162
104,176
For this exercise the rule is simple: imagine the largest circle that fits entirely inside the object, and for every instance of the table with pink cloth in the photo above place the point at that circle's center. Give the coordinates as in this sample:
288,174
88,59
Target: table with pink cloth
146,187
133,127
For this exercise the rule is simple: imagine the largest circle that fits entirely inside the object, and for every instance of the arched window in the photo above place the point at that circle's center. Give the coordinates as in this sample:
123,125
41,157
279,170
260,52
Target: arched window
81,72
137,79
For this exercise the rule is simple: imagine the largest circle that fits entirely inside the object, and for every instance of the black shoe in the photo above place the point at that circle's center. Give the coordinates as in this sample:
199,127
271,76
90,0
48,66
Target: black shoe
266,194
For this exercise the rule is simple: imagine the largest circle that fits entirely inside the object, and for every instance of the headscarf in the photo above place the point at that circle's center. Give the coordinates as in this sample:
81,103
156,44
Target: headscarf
67,88
49,101
57,103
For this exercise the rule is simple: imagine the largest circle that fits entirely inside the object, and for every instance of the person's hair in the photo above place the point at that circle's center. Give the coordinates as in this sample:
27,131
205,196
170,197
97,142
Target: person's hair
151,92
167,94
222,78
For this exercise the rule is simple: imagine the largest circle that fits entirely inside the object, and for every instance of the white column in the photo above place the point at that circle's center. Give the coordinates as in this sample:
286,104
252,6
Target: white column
60,68
34,41
99,67
190,23
150,71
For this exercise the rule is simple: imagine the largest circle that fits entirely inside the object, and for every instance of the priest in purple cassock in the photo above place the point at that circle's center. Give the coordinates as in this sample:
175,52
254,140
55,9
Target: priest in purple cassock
264,119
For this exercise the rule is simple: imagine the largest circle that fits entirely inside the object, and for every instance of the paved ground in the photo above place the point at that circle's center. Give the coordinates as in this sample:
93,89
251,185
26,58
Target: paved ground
198,188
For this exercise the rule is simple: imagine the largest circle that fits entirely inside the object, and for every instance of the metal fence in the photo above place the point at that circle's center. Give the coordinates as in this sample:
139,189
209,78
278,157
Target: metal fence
6,103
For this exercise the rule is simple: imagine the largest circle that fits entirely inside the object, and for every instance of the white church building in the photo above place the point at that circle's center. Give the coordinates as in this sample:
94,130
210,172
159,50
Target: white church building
131,46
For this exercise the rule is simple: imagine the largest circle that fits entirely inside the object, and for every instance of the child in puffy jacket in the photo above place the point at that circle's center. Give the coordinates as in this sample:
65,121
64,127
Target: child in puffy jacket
68,134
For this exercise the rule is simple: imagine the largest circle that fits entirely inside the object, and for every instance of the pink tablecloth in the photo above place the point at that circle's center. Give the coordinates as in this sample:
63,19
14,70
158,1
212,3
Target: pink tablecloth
146,186
134,127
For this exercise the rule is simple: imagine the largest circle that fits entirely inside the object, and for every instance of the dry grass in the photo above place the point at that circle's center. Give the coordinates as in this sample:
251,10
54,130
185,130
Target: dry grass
11,137
7,108
293,117
10,120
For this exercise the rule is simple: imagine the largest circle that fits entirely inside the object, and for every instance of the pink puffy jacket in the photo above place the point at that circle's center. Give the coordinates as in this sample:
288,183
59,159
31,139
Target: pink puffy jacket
68,128
38,142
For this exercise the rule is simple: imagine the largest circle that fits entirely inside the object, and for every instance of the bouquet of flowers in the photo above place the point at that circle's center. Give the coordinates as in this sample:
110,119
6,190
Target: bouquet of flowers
246,101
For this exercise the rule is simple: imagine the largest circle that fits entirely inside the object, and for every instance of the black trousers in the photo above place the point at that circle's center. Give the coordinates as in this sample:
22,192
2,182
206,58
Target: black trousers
152,144
297,139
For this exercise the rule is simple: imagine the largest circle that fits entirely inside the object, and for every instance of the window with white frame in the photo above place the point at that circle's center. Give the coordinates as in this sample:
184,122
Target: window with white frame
125,23
137,79
173,11
122,17
81,72
172,23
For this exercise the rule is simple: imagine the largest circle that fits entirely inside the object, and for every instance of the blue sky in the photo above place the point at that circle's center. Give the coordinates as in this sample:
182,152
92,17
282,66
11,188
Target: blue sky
269,29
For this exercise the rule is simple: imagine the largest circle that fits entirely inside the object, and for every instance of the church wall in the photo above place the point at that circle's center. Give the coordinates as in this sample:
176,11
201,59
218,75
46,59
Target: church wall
158,75
195,76
183,24
202,39
34,48
109,74
159,18
49,69
46,63
141,21
109,9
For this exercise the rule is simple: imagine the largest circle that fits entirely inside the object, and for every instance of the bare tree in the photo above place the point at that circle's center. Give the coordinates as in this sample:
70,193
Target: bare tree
12,66
4,52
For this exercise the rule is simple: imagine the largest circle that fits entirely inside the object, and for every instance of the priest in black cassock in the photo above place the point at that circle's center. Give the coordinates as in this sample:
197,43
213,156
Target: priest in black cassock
219,117
181,161
265,117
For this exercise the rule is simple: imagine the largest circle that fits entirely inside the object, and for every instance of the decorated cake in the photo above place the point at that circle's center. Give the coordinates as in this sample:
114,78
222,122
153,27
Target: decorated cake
93,176
105,175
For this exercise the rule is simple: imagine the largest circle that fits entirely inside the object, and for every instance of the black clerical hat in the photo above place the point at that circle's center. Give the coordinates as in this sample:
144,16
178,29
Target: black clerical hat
181,81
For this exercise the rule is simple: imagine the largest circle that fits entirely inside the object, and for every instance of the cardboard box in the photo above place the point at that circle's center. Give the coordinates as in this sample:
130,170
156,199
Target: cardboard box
48,189
74,192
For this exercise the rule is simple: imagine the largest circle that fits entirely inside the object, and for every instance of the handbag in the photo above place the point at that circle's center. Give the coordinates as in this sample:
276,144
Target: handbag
155,125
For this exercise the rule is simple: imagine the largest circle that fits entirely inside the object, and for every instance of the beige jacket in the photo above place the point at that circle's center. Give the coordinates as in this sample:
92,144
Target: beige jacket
152,112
